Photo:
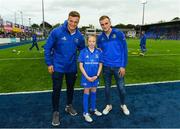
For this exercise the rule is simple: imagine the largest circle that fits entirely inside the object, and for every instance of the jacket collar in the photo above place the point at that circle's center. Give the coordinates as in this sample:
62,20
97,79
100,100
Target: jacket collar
104,34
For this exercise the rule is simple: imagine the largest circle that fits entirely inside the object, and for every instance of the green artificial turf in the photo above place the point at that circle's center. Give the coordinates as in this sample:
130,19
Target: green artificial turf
26,70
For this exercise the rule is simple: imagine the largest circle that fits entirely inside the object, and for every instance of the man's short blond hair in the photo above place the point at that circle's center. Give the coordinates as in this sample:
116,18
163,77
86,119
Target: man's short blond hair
74,14
104,17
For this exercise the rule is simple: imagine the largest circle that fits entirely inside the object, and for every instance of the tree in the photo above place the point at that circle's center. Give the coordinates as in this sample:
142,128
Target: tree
130,26
56,25
35,26
176,18
161,21
120,26
47,25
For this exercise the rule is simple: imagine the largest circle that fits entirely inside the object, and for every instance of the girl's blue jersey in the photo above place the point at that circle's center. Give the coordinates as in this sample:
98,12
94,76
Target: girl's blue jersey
90,62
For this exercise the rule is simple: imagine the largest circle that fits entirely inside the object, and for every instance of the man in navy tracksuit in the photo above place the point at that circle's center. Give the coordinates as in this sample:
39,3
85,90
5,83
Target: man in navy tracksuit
113,44
143,43
34,42
60,56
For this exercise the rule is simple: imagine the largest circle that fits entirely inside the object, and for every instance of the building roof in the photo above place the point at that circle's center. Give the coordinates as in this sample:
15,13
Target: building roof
174,22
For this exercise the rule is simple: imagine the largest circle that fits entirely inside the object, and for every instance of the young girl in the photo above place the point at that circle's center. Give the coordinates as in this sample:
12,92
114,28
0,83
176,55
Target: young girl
90,65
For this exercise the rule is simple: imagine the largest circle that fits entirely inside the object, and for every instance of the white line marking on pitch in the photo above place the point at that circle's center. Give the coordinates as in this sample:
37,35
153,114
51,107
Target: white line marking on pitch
44,91
38,58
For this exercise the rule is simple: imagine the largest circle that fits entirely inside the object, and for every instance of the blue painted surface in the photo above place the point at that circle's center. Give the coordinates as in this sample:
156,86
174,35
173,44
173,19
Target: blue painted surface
151,106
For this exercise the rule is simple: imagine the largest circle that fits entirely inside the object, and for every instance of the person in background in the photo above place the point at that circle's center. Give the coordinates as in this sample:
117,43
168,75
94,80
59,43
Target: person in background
34,42
143,43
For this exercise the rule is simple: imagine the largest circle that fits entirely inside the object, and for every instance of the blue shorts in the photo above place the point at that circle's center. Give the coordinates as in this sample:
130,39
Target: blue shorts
86,84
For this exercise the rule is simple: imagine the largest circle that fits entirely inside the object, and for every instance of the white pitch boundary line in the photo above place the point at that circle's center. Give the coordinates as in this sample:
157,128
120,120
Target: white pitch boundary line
154,55
38,58
45,91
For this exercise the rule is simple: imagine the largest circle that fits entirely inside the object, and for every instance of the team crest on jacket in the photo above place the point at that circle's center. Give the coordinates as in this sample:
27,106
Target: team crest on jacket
102,39
76,40
114,36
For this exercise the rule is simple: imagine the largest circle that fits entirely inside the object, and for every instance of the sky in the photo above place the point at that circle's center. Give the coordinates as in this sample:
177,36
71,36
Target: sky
120,11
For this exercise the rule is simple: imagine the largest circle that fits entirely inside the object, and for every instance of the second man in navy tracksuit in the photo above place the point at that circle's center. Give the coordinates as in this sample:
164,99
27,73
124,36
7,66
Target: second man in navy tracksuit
113,44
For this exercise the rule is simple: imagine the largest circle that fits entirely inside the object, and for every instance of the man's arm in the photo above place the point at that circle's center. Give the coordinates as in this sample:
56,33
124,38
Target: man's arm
124,51
47,53
122,70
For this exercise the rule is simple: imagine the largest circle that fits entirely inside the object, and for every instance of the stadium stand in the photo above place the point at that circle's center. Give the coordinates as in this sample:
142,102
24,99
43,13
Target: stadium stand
12,31
166,30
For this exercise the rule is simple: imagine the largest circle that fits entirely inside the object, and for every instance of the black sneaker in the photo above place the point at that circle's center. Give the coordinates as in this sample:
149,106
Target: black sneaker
69,109
55,119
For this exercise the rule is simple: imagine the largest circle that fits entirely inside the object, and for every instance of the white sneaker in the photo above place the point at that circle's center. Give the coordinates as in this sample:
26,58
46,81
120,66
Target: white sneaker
107,109
87,117
125,109
97,113
141,54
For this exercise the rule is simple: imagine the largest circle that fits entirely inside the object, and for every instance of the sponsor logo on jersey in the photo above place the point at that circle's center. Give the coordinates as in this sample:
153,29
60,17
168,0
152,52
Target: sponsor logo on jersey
91,63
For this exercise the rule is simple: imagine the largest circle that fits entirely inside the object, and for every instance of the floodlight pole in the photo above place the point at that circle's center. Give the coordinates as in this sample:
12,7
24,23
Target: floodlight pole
144,2
15,17
43,17
29,22
21,17
143,12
